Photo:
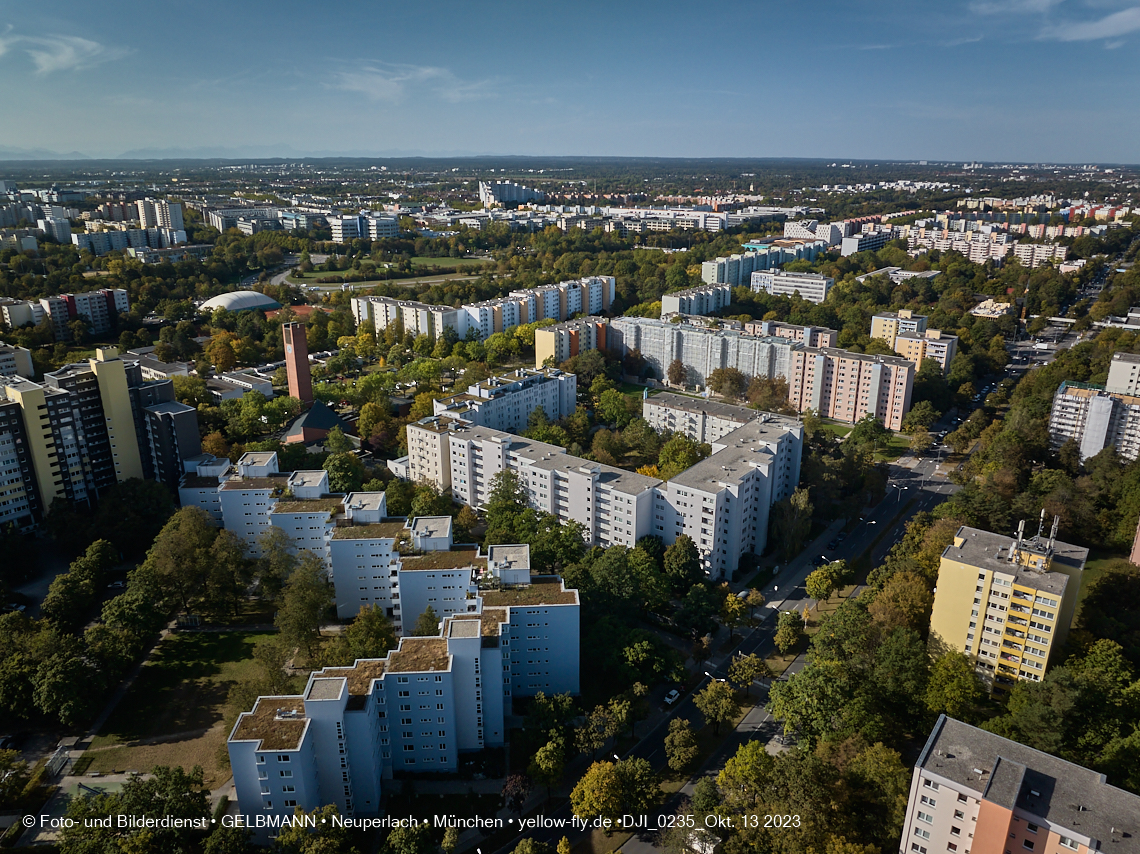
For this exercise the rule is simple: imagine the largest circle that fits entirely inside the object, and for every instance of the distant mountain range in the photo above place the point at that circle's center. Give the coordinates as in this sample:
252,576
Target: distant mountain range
258,152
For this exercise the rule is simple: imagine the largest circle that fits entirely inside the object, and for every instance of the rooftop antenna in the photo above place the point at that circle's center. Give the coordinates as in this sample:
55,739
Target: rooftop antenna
1015,553
1041,524
1053,532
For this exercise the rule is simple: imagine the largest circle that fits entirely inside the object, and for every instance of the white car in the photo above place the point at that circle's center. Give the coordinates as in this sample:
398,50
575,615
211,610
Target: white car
672,697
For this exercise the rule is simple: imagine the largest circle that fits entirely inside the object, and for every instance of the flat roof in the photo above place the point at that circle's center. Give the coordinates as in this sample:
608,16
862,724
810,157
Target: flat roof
197,481
727,411
359,677
262,724
419,655
373,531
457,558
536,593
463,627
725,466
273,481
364,500
431,526
309,505
306,477
511,556
257,458
989,551
324,688
1018,777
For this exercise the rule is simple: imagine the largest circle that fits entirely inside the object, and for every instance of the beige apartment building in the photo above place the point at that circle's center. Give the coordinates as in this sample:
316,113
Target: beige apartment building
932,344
1007,603
890,324
847,386
973,792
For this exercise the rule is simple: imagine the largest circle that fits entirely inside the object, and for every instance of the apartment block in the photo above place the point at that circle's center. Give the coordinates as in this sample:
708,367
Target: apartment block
702,349
1035,254
17,313
20,502
16,361
591,295
868,241
506,402
159,213
722,502
703,300
932,344
809,336
1007,603
89,426
848,386
809,229
898,275
100,309
566,340
1095,418
493,193
414,711
889,325
975,791
810,286
737,270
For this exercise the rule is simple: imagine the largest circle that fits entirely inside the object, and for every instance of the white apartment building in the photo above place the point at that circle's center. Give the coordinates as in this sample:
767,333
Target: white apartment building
975,791
199,486
16,313
591,295
751,467
16,361
415,710
809,229
809,336
737,270
847,386
506,402
1035,254
702,349
1095,418
810,286
702,300
159,213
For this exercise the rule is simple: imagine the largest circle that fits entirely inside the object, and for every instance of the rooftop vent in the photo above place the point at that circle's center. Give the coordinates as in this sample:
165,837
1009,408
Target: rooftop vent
1034,793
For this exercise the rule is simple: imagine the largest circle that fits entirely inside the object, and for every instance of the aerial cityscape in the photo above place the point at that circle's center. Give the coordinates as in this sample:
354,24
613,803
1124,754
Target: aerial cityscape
446,439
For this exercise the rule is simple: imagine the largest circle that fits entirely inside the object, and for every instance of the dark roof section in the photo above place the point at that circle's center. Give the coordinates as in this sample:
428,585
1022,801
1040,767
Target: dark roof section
1018,777
317,417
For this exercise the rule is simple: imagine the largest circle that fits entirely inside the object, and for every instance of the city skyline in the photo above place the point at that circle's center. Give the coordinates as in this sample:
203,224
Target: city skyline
848,82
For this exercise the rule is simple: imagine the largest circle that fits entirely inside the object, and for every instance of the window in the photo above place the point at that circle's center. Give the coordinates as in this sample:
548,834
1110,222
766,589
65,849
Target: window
955,831
925,816
1027,845
961,799
288,788
1032,828
260,760
918,849
921,834
930,802
269,805
282,758
930,784
1071,844
950,846
289,803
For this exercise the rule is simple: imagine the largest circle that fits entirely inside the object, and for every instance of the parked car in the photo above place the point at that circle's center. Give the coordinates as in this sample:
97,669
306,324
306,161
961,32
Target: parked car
672,697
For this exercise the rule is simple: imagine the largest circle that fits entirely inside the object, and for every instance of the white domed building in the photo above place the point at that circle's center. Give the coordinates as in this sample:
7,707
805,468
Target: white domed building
240,301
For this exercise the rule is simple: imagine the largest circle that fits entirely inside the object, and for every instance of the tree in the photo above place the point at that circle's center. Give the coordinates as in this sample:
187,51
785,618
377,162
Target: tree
306,599
595,731
682,564
563,846
337,442
346,472
676,373
732,613
680,745
869,432
754,600
717,702
450,839
746,669
954,688
369,635
180,555
277,561
169,792
228,573
229,840
528,845
610,790
789,630
13,777
548,762
905,600
516,789
728,382
791,522
613,408
680,453
427,625
706,796
821,583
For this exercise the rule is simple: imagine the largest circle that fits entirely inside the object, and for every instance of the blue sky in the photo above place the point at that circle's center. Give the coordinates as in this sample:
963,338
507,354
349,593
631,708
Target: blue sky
1022,80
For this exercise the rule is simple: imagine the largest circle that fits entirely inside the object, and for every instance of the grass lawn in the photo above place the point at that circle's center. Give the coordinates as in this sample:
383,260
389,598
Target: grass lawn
173,713
632,390
898,445
840,430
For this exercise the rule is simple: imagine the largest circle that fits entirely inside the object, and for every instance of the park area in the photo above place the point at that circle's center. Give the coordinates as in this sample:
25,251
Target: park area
174,712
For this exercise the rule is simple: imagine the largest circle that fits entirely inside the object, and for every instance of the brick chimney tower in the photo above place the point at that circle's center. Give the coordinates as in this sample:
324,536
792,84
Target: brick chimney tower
297,361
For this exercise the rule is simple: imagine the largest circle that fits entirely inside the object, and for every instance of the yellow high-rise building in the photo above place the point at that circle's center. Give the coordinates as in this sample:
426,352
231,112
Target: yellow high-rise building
1007,603
891,324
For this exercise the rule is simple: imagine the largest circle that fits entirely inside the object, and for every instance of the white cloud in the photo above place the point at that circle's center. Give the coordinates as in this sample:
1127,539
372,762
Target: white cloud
393,83
1013,7
54,53
1109,27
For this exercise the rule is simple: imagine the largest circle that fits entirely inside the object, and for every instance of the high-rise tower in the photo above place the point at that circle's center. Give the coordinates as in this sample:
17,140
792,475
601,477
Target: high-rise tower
297,361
